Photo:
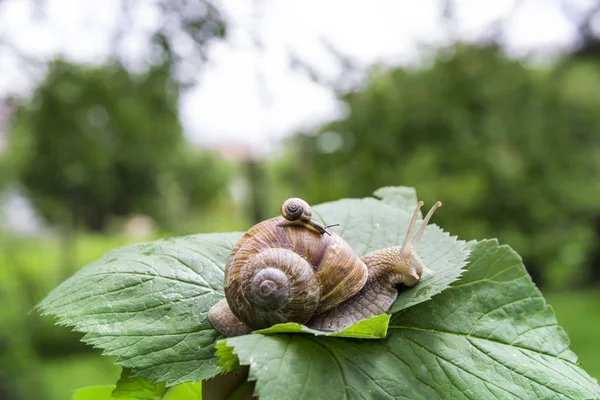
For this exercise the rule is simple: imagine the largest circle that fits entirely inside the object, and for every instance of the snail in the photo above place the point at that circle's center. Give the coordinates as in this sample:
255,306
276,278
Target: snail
297,211
292,269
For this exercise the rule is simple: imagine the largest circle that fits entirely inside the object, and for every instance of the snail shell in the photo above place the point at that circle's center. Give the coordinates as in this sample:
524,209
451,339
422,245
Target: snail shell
288,270
280,272
296,209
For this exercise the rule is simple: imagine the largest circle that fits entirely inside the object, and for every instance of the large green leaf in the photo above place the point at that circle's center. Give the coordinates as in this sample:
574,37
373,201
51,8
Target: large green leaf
491,335
147,303
370,328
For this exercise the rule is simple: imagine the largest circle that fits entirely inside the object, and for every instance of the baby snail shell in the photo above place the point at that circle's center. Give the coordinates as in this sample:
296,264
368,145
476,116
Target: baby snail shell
292,269
298,211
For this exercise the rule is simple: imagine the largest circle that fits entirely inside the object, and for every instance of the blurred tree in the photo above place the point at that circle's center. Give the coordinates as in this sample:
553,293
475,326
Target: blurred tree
98,141
177,33
511,153
5,173
180,37
101,141
194,181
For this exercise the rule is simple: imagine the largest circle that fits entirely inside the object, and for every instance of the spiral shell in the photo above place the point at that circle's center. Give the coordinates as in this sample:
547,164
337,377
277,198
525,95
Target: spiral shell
296,209
279,272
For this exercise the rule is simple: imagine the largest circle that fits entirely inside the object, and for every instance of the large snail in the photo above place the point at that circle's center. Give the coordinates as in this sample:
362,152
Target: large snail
292,269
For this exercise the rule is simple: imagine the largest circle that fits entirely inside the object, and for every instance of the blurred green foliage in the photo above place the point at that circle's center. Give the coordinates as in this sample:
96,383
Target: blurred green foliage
578,312
513,152
5,173
60,377
96,142
31,346
93,147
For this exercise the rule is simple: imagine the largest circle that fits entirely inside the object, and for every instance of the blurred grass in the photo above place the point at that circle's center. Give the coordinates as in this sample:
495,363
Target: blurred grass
578,312
38,358
61,377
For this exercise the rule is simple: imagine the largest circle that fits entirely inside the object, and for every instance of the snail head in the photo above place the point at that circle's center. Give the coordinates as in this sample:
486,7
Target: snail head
402,264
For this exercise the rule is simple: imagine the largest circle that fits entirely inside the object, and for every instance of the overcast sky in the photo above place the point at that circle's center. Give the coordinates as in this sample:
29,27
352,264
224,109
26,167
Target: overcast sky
251,95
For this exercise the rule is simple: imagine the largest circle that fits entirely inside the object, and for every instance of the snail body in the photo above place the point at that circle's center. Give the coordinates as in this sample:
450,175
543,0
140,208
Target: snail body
292,269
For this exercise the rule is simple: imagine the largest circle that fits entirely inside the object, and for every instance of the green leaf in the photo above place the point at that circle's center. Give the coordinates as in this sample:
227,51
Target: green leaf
228,361
130,387
369,224
94,393
147,304
290,366
136,389
491,335
402,197
494,328
370,328
185,391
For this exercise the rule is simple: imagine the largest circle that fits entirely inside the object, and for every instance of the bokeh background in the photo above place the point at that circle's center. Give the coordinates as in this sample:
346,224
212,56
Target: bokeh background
125,121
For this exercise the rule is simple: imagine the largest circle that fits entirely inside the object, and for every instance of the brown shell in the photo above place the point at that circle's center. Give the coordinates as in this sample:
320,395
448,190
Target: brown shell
338,270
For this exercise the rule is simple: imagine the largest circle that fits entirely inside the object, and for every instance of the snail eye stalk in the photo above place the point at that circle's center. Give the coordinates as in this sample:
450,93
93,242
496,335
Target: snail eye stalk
417,239
406,245
414,242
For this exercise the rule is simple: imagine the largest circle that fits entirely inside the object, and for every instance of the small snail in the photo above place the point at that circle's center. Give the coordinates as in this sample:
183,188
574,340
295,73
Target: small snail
297,211
285,269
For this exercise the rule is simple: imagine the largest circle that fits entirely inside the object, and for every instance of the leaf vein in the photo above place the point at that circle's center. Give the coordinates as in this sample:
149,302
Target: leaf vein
436,331
338,365
528,297
460,367
501,363
412,370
